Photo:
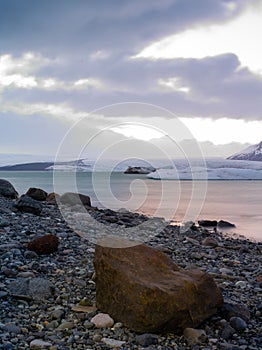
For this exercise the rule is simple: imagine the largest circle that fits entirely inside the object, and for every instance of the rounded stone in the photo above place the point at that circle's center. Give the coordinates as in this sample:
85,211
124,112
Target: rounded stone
238,324
102,321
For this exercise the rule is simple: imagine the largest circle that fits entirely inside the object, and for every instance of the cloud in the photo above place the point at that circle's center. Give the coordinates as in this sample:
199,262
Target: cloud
61,60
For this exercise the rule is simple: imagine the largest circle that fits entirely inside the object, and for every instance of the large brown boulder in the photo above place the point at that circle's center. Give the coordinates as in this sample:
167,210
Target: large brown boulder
37,193
144,289
71,198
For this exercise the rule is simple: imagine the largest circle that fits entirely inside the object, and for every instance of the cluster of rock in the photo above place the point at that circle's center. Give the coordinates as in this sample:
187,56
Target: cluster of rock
134,296
139,170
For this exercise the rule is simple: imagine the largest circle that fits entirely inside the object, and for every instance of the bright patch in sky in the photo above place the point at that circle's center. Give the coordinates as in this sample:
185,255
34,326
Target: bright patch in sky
241,36
137,131
222,131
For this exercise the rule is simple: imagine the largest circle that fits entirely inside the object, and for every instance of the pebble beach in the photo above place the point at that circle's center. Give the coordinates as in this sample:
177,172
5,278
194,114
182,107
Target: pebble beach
62,316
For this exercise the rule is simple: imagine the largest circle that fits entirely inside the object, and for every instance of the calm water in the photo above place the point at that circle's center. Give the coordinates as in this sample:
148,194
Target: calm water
239,202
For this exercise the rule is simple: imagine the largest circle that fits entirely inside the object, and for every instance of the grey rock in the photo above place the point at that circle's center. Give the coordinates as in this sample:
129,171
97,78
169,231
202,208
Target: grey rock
146,339
238,324
227,332
12,328
37,288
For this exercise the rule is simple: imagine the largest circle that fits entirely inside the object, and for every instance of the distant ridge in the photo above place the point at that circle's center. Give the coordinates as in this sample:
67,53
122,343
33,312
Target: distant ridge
253,153
39,166
45,166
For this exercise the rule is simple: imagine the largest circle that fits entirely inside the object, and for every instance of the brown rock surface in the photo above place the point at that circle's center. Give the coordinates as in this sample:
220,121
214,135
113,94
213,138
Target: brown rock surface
44,245
144,289
36,193
52,198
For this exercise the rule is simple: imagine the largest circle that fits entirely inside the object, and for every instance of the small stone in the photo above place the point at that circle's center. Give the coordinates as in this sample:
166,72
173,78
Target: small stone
241,284
102,321
113,343
235,310
210,242
194,336
28,254
227,332
57,314
39,344
88,325
259,278
26,274
12,328
146,339
86,309
238,324
118,325
65,325
97,338
46,244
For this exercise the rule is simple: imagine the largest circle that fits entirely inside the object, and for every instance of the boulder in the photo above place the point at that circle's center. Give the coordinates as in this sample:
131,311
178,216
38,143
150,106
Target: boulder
7,189
145,290
71,198
207,223
37,193
52,198
46,244
225,224
29,205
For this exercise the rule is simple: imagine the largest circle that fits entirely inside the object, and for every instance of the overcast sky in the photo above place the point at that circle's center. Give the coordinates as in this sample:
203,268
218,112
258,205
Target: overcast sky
176,69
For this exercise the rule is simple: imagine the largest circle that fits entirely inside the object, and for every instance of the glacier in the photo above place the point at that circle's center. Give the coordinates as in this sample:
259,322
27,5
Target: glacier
213,169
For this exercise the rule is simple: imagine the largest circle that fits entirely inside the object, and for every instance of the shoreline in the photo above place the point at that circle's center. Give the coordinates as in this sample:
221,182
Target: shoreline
233,263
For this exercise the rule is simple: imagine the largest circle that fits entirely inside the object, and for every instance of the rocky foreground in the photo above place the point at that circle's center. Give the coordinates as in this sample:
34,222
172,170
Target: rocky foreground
48,292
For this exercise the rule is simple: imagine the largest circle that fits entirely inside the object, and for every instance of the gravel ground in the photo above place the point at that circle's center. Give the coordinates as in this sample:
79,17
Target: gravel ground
60,316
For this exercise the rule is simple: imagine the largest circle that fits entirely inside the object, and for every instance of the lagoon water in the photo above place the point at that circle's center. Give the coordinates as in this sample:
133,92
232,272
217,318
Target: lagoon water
239,202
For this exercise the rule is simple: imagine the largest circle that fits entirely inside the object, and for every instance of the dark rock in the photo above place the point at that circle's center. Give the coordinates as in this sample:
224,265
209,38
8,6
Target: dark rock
238,324
7,189
28,205
37,193
234,310
227,332
143,288
210,242
71,198
37,288
9,272
139,170
3,295
12,328
225,224
44,245
146,339
207,223
28,254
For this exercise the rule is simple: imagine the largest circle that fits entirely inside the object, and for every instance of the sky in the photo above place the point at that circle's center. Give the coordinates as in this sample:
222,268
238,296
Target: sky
87,76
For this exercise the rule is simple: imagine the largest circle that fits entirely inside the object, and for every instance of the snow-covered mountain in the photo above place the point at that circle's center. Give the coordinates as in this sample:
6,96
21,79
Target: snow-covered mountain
251,153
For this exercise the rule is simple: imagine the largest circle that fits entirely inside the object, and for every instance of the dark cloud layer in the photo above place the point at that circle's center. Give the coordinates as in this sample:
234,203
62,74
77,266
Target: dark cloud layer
84,39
